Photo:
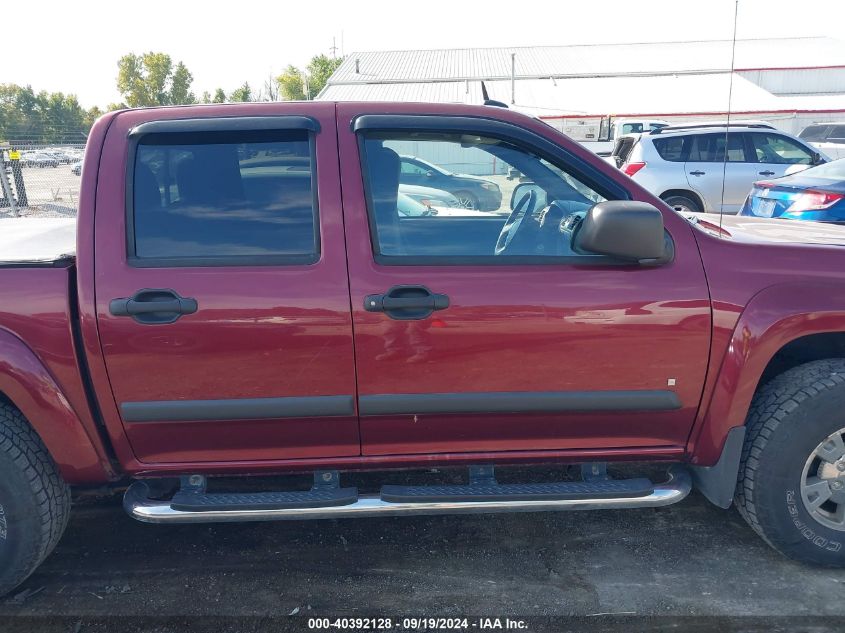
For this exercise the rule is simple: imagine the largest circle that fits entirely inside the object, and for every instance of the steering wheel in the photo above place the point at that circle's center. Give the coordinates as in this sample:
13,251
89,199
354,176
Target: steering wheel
514,221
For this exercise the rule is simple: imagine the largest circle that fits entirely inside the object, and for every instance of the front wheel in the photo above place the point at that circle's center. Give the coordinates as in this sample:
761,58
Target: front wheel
791,486
467,200
34,500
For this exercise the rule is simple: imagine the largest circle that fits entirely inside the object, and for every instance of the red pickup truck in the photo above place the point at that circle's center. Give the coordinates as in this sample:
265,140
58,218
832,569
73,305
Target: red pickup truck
246,297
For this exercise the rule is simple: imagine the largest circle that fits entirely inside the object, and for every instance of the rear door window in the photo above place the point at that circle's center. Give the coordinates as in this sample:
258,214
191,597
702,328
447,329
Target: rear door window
710,148
223,198
632,128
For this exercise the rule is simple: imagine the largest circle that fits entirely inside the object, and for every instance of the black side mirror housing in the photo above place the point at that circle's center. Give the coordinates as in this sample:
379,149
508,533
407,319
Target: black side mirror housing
623,229
817,159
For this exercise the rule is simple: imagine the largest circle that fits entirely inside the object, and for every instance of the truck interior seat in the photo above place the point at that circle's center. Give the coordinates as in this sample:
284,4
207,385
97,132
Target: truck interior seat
146,190
384,166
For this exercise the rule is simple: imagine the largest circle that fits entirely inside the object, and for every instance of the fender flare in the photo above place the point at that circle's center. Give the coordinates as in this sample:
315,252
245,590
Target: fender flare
773,318
30,387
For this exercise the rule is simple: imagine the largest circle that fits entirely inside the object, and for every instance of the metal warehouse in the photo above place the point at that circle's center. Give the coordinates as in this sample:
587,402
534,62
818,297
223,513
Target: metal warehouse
790,82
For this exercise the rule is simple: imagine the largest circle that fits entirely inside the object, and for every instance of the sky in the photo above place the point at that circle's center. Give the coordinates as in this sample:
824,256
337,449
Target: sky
73,47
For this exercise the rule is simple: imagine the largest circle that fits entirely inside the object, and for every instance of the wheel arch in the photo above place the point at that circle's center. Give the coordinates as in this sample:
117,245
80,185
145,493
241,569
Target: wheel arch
688,193
783,326
26,384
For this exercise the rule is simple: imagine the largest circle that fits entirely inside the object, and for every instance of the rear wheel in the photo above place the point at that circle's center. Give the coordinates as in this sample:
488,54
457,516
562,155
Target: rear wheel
683,204
34,500
791,486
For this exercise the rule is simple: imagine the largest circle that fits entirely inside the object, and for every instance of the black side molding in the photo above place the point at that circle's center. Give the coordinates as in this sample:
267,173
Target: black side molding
226,124
238,409
519,402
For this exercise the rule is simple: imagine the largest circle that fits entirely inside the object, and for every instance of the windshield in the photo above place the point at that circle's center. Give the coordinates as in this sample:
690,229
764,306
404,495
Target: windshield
813,133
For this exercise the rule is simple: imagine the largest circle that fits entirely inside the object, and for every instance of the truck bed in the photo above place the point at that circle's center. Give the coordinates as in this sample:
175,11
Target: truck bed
37,241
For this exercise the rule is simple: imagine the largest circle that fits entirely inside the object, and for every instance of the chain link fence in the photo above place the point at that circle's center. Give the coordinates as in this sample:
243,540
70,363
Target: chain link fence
40,180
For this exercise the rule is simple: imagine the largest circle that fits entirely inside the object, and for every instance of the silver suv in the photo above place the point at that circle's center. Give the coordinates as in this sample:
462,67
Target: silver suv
684,165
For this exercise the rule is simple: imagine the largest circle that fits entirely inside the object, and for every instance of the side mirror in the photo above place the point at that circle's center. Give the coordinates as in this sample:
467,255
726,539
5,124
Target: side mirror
817,159
623,229
524,188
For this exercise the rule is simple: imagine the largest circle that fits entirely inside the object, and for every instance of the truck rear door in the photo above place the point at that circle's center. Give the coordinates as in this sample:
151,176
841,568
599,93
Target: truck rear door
221,285
463,346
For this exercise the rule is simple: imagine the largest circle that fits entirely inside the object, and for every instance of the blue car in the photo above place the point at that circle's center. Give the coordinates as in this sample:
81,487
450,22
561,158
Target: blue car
815,194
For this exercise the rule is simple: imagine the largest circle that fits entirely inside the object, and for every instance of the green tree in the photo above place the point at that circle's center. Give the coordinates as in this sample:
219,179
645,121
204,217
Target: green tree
244,93
151,79
292,84
320,68
296,84
30,117
180,86
219,96
206,97
92,115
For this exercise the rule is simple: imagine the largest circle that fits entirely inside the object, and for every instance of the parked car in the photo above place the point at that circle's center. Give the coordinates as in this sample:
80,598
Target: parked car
76,168
410,208
815,194
58,155
473,192
207,320
430,196
685,165
37,159
826,137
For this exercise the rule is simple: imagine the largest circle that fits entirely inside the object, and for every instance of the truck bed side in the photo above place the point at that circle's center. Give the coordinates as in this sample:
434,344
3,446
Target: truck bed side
40,371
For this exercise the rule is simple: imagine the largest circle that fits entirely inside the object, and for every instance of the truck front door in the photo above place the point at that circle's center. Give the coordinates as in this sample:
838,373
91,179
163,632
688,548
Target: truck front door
469,341
221,286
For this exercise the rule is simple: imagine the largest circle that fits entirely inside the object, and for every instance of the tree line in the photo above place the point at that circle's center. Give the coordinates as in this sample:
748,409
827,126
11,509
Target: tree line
148,79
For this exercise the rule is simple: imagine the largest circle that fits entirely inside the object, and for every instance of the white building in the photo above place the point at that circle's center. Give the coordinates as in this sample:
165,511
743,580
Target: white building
790,82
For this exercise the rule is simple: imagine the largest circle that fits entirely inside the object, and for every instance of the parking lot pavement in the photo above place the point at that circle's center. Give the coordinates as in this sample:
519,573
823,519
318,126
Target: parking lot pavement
688,559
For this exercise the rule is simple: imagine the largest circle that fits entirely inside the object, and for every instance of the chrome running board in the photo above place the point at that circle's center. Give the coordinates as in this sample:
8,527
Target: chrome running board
139,506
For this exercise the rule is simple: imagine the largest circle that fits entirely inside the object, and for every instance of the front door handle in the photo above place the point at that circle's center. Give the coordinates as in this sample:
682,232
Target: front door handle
766,173
153,306
697,173
406,303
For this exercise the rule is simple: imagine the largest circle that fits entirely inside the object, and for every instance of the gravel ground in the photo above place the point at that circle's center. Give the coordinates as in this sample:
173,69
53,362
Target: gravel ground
691,559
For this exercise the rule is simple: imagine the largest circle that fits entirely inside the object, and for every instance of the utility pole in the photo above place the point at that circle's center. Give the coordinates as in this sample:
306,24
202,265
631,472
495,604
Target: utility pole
513,78
333,49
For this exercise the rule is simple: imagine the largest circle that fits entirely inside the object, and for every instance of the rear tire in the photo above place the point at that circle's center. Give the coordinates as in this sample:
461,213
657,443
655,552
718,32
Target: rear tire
34,500
687,204
792,418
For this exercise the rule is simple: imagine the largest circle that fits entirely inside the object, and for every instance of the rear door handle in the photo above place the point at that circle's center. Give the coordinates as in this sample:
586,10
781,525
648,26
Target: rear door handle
697,173
153,306
766,173
407,303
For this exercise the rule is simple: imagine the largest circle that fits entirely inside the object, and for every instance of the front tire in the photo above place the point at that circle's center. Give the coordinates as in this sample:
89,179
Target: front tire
791,486
34,500
467,200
